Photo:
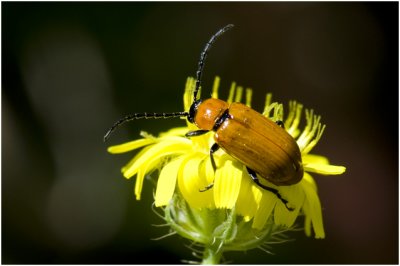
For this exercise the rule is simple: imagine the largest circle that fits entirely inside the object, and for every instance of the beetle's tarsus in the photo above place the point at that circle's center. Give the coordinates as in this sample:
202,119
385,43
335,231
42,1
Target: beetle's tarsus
285,202
289,208
208,187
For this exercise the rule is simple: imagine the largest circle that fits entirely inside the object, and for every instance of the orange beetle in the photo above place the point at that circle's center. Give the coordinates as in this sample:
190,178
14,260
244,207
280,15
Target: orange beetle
266,149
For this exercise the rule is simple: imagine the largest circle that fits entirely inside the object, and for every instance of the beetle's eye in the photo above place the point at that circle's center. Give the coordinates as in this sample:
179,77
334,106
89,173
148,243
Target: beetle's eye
193,111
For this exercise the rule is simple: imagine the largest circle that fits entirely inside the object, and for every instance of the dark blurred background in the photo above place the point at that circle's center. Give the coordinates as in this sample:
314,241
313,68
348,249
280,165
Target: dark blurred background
69,70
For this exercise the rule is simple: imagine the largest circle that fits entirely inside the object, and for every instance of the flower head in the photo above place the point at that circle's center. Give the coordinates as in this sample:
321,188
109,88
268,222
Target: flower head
243,212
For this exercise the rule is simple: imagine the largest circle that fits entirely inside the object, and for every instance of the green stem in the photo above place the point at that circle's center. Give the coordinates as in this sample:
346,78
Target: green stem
212,255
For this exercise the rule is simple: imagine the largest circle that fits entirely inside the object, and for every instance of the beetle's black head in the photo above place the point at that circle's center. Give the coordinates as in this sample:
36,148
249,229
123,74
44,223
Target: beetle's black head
193,110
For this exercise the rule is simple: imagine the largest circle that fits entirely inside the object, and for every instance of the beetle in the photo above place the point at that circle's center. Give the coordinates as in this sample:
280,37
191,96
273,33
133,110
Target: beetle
263,146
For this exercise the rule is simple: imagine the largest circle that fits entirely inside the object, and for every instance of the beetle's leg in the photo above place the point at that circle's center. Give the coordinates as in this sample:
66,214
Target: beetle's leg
196,133
253,176
209,186
280,123
213,149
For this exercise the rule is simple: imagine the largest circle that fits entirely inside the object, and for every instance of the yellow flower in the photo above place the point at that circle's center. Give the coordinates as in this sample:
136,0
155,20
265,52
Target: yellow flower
185,170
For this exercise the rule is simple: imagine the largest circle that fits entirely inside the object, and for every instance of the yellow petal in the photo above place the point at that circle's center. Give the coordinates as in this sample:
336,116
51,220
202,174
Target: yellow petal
203,143
147,167
239,93
307,177
129,146
266,206
307,221
176,131
161,149
249,94
190,183
135,158
312,208
139,183
188,95
214,93
227,183
206,170
313,158
249,197
231,92
324,169
166,182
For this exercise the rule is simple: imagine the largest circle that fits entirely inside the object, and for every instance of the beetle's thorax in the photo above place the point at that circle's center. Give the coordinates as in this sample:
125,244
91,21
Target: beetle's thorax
208,113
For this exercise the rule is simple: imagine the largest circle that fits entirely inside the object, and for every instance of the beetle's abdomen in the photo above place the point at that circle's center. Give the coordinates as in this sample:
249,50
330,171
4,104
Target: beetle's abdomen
260,144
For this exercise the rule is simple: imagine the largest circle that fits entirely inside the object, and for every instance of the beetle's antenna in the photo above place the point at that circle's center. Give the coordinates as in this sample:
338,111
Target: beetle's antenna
203,57
140,116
